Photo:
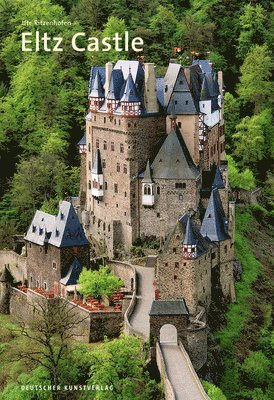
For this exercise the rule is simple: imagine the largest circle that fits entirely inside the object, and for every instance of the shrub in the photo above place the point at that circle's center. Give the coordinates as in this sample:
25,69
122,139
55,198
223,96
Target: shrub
256,368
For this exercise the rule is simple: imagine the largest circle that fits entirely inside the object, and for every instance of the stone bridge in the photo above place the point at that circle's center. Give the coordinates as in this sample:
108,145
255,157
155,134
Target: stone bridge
180,379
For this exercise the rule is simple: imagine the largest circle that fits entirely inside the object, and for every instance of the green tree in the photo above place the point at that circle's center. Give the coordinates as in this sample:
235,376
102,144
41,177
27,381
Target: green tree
255,86
121,363
164,27
253,28
237,179
253,140
213,391
37,181
256,368
196,35
8,228
232,117
98,283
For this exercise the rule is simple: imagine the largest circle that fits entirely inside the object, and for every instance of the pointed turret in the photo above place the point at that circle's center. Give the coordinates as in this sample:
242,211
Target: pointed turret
218,180
97,176
97,95
114,90
147,176
189,242
214,224
204,95
130,101
82,145
147,187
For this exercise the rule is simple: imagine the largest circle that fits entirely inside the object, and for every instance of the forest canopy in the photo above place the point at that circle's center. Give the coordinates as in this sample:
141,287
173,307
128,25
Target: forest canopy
43,94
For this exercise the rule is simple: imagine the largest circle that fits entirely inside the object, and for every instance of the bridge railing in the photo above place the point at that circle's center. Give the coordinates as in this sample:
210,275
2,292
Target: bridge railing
169,391
193,372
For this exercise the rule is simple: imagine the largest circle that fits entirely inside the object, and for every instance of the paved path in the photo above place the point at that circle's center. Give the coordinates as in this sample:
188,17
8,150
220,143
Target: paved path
145,294
178,370
180,375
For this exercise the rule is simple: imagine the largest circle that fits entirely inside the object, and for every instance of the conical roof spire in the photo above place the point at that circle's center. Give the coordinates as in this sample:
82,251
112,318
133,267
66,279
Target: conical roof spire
204,95
189,238
97,87
218,180
214,224
130,92
147,176
97,164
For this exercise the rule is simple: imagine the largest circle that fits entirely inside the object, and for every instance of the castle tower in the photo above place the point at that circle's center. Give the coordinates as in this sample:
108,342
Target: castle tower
150,93
215,226
130,101
97,95
184,267
189,242
6,280
126,136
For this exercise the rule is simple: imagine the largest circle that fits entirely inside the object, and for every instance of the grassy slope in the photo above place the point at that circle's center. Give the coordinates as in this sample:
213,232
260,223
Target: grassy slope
250,314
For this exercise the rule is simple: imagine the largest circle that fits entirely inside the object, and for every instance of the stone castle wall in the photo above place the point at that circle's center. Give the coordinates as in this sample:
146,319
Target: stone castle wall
189,279
169,206
128,142
15,263
47,265
92,327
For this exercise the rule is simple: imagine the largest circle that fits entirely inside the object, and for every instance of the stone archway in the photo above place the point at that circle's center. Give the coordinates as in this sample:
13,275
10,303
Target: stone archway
168,334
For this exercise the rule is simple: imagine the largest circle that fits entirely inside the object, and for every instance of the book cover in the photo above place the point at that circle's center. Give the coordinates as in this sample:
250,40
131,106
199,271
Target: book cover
136,195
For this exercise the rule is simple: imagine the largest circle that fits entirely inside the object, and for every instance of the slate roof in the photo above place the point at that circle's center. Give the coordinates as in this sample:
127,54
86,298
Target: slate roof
189,238
215,224
74,271
97,164
170,80
63,230
218,180
204,95
147,176
97,87
181,96
82,141
130,92
169,307
116,85
173,160
102,74
6,276
193,234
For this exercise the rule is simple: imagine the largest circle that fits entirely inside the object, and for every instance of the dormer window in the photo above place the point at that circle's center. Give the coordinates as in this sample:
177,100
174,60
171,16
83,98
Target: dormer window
62,216
33,228
41,231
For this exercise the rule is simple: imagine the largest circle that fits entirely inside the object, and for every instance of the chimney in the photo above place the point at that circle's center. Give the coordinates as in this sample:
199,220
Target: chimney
109,68
187,74
150,94
220,81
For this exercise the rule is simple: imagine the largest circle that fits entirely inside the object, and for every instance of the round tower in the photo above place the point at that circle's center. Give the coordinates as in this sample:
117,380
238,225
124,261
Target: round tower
6,280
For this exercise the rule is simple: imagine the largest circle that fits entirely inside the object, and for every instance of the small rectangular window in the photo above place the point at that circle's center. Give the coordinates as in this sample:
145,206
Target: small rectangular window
179,125
97,143
105,145
125,169
115,188
176,265
112,146
118,168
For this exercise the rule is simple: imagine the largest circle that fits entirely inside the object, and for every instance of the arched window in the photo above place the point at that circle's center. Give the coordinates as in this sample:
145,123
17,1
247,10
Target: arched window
149,190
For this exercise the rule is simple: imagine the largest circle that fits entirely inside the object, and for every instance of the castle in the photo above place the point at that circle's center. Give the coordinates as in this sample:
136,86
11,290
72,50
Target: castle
153,166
